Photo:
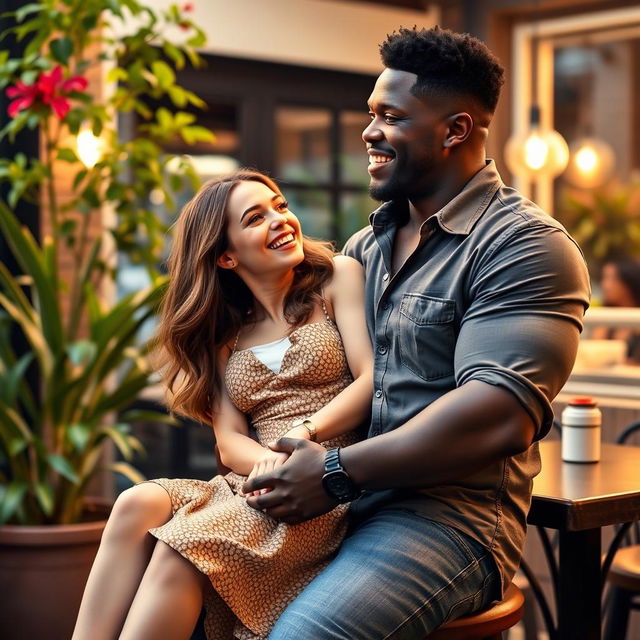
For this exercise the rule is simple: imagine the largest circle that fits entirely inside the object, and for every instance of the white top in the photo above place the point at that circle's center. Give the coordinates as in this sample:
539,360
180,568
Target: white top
272,353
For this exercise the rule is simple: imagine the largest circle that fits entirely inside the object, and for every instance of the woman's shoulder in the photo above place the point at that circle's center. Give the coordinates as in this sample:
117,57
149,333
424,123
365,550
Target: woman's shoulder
345,264
347,272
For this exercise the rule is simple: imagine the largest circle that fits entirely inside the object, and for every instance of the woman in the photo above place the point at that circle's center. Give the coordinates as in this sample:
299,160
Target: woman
620,285
258,322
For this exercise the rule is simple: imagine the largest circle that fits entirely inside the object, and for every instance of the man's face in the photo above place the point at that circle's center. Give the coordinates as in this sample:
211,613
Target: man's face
404,139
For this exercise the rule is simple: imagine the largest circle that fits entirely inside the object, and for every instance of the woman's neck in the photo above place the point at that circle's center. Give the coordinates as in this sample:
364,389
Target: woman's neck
269,295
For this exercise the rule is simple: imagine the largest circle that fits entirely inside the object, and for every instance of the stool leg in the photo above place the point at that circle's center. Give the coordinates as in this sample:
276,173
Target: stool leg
618,615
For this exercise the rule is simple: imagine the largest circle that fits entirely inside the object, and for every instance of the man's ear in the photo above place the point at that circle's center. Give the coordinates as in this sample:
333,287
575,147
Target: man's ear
226,261
460,128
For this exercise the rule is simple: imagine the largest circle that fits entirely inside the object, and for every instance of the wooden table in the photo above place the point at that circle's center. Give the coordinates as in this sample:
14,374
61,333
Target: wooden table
578,500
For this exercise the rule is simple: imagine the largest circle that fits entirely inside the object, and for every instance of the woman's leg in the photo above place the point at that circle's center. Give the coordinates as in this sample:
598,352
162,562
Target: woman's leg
169,599
121,561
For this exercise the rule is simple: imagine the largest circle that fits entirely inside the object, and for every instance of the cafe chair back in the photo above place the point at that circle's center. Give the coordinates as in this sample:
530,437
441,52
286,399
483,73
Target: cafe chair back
621,568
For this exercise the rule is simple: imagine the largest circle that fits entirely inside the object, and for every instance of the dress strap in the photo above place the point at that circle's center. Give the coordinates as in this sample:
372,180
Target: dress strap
235,344
324,309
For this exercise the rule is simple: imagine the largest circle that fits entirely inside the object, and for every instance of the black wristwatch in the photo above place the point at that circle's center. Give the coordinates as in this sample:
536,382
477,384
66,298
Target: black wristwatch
336,480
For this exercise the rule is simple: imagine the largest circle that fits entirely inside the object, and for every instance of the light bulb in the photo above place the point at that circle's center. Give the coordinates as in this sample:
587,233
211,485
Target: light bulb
591,163
537,151
89,147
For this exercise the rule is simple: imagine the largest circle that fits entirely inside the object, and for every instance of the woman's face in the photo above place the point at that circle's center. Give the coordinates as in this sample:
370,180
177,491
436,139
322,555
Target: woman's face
264,236
615,293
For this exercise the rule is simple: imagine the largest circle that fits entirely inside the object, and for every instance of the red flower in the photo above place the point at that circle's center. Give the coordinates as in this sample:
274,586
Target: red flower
187,7
49,89
25,94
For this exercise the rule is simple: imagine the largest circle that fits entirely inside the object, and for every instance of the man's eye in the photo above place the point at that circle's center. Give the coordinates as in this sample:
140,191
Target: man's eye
389,118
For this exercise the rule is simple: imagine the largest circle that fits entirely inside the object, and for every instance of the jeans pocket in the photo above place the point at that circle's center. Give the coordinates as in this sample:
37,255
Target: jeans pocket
426,333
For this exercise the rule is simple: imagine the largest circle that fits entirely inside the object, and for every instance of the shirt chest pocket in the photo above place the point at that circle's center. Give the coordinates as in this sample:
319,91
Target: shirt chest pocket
426,334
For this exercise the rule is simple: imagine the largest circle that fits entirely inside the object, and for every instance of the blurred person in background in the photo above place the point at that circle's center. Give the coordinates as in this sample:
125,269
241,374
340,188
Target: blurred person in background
620,285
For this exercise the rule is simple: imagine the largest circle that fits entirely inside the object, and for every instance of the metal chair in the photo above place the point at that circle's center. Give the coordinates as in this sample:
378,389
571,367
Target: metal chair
623,564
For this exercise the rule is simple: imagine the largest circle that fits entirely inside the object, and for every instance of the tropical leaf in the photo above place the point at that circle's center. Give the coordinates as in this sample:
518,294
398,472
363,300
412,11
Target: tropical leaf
11,497
127,471
30,258
63,467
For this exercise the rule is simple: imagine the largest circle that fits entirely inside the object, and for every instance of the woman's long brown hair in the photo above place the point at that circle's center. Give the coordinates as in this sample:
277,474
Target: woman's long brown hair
205,306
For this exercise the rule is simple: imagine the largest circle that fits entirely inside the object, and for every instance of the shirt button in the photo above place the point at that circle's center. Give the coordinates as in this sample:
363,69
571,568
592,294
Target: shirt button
382,349
385,277
378,393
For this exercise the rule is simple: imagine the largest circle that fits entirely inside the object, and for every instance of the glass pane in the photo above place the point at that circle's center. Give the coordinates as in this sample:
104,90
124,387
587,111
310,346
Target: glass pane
354,159
595,107
313,209
355,209
303,144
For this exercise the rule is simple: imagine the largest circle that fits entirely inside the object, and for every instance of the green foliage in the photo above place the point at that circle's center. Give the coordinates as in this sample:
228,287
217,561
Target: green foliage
605,222
90,360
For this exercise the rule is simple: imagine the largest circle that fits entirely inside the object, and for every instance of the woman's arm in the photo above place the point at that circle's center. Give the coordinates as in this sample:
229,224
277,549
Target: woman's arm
352,405
237,450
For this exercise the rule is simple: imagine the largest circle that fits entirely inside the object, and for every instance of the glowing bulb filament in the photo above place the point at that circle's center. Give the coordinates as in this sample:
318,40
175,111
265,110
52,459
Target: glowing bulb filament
536,151
587,159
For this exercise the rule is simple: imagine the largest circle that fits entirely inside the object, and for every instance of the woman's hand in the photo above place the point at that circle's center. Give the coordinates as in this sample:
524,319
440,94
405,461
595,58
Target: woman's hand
270,461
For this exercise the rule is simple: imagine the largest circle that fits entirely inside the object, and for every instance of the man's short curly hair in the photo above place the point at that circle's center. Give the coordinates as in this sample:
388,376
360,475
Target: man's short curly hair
445,62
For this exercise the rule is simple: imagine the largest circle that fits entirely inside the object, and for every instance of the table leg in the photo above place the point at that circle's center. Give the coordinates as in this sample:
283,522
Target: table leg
580,585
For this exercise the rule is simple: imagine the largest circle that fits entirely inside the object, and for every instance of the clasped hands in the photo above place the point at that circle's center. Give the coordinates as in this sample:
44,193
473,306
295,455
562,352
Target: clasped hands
291,474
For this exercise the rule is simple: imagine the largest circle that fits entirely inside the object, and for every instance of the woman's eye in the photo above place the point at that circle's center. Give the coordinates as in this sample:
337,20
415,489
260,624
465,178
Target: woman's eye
283,206
254,218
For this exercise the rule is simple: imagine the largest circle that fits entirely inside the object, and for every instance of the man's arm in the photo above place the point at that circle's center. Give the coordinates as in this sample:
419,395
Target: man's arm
459,434
515,349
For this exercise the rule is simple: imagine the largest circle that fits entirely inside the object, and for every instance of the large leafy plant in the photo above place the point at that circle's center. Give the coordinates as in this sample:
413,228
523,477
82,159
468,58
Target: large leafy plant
88,355
605,222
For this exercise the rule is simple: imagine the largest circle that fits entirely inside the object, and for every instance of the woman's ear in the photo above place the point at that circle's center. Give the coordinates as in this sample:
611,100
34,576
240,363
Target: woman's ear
226,261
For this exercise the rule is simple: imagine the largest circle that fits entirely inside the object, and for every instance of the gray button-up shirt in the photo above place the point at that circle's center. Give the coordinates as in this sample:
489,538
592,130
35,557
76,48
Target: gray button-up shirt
495,291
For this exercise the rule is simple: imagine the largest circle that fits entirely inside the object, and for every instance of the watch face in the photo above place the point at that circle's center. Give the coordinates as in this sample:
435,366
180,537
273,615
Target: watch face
339,485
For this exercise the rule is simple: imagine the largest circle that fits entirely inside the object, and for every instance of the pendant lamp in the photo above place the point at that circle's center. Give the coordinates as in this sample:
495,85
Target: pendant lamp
537,151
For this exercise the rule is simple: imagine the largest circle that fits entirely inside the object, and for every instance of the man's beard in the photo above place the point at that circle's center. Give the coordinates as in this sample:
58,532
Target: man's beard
392,189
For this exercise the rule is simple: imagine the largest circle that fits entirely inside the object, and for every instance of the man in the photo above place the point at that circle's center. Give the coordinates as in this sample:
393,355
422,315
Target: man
475,299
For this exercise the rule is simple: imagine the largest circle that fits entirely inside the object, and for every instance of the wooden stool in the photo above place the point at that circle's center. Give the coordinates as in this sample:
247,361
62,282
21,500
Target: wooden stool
488,624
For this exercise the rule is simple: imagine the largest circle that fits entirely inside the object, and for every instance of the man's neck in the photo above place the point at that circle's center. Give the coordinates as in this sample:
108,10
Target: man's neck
449,186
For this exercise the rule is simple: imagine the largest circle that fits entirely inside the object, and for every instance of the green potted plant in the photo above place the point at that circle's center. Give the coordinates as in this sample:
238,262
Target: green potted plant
605,221
88,355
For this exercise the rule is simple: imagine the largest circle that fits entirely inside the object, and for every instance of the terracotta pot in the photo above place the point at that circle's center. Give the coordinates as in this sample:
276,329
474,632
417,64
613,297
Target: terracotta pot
43,571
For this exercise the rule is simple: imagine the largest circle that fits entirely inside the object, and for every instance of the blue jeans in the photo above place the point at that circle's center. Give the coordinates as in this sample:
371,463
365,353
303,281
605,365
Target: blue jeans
396,576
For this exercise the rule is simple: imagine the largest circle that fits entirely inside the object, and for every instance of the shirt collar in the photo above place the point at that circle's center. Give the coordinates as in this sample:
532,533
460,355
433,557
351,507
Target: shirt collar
459,215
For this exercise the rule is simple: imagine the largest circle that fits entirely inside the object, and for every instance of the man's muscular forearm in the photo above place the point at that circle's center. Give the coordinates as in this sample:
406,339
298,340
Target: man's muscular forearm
462,432
459,434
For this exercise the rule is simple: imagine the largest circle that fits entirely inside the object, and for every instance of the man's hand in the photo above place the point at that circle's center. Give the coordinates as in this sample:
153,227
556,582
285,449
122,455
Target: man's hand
296,493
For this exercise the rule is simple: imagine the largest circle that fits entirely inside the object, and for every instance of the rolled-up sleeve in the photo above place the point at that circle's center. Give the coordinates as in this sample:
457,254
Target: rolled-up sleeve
522,327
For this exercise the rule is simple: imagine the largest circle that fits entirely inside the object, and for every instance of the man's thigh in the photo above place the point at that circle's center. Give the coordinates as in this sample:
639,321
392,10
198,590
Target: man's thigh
397,576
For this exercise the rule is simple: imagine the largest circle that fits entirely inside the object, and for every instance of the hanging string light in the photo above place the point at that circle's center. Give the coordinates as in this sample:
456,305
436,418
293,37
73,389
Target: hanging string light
592,160
538,150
